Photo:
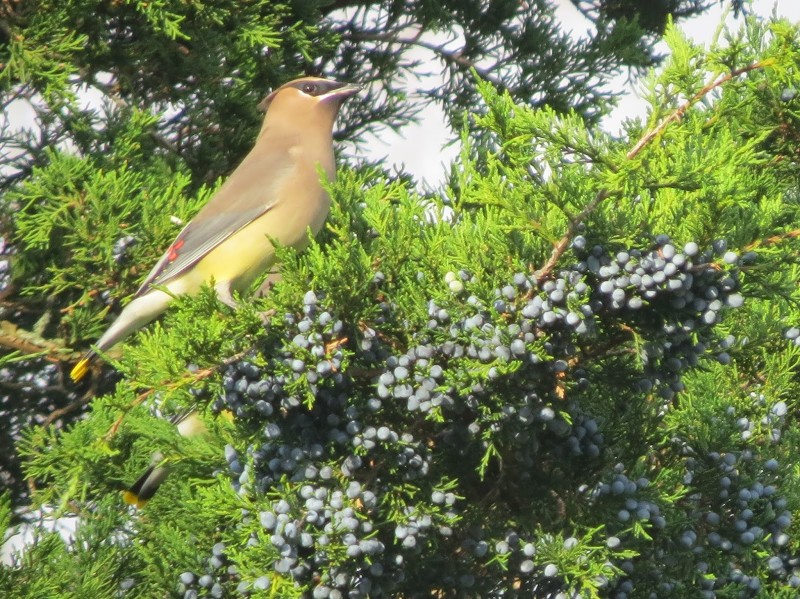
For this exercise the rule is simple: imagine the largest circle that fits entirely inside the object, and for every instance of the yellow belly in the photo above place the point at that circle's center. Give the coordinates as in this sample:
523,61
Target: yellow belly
249,253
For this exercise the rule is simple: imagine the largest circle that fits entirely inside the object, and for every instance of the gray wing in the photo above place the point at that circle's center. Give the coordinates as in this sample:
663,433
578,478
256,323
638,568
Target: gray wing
249,193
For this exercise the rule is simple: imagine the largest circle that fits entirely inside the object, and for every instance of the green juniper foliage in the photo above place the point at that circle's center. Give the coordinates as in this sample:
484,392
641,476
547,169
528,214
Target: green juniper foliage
120,117
572,371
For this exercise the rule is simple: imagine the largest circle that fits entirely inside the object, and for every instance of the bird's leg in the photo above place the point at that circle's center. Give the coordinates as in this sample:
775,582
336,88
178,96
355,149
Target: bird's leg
273,277
269,282
224,294
266,315
226,297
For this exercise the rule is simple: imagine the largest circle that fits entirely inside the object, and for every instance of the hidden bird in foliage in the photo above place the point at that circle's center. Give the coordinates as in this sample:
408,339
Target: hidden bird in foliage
139,493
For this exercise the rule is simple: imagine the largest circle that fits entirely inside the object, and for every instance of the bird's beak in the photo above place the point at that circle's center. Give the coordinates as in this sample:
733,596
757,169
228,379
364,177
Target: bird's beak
345,91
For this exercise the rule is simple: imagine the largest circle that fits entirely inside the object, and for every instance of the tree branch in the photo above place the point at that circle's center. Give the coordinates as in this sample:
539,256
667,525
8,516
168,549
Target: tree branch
565,240
648,137
453,57
681,110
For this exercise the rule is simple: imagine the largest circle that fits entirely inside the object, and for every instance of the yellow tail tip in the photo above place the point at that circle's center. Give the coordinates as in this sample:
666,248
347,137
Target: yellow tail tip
79,370
132,498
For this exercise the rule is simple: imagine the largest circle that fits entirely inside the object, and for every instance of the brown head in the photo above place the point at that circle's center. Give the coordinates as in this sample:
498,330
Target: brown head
307,102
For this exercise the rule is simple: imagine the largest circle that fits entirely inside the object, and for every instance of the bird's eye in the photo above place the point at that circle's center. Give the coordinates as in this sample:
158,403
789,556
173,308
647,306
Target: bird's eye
309,88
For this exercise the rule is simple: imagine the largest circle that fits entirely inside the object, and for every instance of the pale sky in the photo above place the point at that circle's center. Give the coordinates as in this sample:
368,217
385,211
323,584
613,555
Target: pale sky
422,148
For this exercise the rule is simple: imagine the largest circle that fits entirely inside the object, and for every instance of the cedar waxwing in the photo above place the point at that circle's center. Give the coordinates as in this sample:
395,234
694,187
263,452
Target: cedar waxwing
140,492
275,193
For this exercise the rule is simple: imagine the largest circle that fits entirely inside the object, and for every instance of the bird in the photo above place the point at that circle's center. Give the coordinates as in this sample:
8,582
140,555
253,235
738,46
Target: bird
189,424
274,194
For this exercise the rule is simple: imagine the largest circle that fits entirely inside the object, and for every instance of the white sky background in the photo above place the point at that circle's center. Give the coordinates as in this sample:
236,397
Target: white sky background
422,149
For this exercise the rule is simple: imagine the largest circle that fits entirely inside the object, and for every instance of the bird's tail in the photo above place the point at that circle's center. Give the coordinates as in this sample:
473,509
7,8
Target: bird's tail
134,316
140,492
82,367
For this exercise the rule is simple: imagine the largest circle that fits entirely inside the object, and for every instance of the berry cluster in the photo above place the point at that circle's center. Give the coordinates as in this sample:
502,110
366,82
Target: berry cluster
30,394
730,518
774,419
6,251
684,292
371,449
210,583
120,251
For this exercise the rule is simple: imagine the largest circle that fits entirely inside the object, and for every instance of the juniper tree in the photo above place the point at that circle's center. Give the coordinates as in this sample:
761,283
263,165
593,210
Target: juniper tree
572,370
134,111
